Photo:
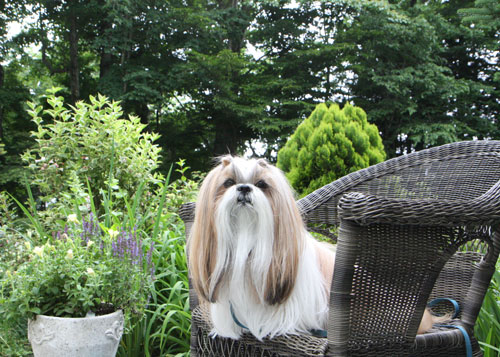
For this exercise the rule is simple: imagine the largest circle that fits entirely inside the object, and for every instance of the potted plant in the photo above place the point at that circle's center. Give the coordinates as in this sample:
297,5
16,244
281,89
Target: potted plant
87,279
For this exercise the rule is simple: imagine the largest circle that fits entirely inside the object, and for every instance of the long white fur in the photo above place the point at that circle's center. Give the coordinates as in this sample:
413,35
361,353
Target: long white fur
245,243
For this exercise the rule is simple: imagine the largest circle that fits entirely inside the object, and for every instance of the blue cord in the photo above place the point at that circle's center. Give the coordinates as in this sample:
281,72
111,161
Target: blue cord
468,344
454,302
235,319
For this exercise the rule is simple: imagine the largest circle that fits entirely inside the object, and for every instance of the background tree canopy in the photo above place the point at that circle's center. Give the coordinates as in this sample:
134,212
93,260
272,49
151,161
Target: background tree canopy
227,76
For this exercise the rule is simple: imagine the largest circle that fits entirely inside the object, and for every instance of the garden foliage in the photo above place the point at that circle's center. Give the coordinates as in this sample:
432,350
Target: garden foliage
329,144
144,205
82,269
106,193
81,143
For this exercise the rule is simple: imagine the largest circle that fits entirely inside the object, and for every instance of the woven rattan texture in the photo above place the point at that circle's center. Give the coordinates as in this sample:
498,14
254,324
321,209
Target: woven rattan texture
401,223
384,300
248,346
454,281
441,342
462,171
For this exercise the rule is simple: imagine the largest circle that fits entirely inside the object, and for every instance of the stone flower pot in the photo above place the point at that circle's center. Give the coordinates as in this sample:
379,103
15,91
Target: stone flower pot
76,337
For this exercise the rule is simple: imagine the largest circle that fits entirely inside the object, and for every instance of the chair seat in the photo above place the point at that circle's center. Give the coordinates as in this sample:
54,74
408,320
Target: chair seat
439,341
247,345
444,341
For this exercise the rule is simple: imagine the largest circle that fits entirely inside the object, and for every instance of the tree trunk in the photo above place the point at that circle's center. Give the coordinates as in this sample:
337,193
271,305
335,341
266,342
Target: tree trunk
74,68
106,60
225,138
105,64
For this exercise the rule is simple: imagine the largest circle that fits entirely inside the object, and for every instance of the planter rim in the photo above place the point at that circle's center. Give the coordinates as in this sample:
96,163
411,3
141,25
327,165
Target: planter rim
49,317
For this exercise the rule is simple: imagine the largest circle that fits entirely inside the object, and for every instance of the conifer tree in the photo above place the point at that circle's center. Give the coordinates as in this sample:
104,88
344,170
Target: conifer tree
329,144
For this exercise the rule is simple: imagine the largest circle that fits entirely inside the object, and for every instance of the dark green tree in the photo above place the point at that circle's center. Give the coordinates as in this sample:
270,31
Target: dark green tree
485,15
300,63
423,75
482,18
14,122
398,77
419,73
329,144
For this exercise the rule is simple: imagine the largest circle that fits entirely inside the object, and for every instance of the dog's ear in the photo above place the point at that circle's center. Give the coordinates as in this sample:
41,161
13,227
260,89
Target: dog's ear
202,243
226,160
288,242
263,163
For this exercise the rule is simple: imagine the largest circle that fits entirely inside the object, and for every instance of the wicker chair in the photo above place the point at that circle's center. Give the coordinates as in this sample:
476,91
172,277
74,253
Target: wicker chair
411,229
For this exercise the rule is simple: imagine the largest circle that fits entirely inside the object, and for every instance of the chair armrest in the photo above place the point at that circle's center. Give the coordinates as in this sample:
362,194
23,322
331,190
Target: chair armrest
186,211
367,209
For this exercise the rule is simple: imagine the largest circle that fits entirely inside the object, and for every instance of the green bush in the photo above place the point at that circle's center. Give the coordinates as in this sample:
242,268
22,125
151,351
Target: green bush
81,144
329,144
164,327
82,269
88,160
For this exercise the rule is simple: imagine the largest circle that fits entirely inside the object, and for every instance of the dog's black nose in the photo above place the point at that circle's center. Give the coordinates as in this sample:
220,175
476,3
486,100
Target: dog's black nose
244,189
243,196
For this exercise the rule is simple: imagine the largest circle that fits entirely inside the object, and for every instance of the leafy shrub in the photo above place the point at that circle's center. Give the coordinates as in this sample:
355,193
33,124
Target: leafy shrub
89,142
83,269
164,327
118,194
329,144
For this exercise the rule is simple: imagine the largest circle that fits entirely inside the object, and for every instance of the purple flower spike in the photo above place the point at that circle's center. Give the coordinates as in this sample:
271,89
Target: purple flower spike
152,271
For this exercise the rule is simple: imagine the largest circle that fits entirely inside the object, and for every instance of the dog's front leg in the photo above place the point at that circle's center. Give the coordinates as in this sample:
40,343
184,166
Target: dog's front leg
224,324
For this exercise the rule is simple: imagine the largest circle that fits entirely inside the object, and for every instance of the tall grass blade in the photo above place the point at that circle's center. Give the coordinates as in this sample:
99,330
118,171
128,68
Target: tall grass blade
162,204
32,217
132,210
91,198
107,200
483,344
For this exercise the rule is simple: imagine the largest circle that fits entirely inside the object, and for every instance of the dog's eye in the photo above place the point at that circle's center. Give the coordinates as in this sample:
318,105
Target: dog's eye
228,183
262,184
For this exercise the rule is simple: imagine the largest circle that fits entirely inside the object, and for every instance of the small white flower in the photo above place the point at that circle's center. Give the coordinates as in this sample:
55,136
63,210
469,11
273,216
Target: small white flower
89,243
112,233
38,251
73,218
90,271
69,254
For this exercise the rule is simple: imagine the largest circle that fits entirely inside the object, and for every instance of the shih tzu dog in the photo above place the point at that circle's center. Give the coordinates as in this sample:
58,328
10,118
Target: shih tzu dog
251,258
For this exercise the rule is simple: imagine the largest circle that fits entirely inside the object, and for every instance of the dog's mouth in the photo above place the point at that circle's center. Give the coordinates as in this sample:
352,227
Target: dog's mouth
243,200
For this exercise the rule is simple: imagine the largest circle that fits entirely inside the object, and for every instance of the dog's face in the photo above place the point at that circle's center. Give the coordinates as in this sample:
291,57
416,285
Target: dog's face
247,226
243,184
